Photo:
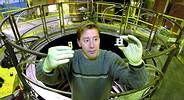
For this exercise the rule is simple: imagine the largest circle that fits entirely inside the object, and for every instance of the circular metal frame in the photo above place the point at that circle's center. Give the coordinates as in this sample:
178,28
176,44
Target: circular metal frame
24,46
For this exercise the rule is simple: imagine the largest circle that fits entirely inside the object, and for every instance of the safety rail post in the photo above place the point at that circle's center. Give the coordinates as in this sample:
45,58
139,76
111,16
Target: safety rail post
61,15
124,21
16,30
15,62
150,40
42,15
12,27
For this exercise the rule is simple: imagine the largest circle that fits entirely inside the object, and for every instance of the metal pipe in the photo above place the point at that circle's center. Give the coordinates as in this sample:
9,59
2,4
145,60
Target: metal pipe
26,50
18,68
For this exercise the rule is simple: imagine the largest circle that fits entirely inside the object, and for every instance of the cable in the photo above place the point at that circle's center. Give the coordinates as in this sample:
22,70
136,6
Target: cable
44,87
39,85
155,68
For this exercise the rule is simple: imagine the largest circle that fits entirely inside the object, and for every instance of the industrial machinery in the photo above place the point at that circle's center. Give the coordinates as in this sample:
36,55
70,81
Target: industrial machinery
27,35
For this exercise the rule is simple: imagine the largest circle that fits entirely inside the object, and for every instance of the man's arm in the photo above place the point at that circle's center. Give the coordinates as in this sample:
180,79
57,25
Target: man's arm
55,66
129,75
135,74
51,78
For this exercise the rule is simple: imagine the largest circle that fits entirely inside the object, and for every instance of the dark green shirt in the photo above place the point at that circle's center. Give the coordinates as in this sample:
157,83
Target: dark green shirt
93,79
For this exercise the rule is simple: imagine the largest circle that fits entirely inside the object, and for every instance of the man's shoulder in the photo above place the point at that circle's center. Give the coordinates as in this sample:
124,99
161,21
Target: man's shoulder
77,52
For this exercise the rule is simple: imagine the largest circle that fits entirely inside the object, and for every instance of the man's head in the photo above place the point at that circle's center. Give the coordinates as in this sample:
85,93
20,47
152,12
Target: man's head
89,40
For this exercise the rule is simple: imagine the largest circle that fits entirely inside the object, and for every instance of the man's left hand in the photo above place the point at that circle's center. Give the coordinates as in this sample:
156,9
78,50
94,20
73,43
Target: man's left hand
133,51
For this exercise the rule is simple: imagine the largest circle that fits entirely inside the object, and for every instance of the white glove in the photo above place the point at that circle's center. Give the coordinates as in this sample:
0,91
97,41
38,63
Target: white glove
56,56
133,51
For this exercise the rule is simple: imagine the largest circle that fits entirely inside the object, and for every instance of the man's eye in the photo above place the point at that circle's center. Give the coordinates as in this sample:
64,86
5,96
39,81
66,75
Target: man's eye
95,39
86,40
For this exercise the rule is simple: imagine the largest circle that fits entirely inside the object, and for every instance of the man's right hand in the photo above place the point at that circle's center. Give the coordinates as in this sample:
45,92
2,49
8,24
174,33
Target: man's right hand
56,56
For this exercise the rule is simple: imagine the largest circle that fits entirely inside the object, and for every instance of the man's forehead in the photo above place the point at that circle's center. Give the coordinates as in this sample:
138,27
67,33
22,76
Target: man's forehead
88,36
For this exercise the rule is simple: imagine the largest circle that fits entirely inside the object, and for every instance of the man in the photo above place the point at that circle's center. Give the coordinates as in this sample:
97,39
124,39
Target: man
90,70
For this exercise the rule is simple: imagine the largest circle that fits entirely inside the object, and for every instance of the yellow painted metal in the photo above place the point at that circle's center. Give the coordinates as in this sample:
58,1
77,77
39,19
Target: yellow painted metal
180,54
28,3
34,33
11,81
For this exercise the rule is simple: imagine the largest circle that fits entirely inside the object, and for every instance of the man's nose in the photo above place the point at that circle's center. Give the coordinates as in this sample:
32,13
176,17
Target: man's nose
91,44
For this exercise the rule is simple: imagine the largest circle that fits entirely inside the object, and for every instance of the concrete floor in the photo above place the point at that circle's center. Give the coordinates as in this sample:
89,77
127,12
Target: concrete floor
172,86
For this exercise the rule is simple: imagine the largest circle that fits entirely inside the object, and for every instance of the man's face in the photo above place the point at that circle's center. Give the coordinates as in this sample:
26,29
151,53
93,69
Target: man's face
90,43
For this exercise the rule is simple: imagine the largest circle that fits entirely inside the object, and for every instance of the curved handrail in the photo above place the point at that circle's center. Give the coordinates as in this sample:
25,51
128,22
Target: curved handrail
136,18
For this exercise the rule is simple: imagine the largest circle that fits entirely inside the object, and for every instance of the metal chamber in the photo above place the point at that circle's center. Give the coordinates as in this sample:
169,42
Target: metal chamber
27,34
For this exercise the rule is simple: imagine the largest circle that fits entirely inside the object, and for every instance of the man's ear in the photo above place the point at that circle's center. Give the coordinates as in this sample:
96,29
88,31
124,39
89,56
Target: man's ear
78,42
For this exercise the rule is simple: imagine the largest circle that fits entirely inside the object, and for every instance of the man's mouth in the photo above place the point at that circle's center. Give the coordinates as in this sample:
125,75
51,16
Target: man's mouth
91,52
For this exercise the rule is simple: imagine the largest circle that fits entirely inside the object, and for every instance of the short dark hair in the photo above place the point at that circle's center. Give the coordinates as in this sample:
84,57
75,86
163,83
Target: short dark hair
86,25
